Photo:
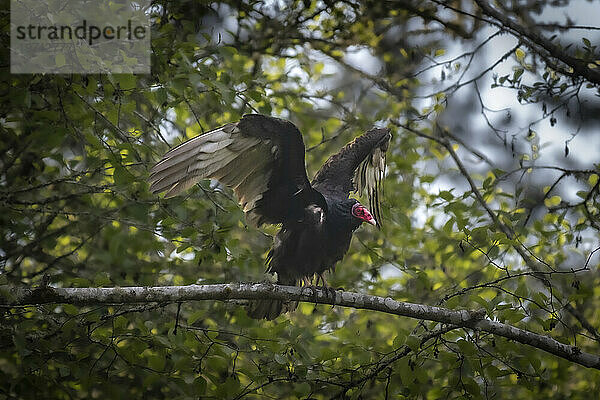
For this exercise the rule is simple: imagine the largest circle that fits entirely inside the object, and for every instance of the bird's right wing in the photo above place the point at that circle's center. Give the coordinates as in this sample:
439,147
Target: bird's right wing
359,166
261,158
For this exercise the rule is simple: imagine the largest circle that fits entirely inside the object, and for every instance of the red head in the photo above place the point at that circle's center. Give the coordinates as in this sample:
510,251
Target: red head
359,211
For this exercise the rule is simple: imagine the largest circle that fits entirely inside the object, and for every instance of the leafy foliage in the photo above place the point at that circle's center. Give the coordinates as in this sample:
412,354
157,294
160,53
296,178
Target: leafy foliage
76,211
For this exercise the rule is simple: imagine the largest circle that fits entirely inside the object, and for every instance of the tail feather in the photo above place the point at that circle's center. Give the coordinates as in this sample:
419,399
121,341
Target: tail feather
271,309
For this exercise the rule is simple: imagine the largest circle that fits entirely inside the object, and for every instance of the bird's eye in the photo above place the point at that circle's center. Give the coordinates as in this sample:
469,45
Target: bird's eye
358,211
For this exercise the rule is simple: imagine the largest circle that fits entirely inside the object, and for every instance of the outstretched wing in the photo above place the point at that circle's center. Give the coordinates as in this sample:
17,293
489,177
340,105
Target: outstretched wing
261,158
359,166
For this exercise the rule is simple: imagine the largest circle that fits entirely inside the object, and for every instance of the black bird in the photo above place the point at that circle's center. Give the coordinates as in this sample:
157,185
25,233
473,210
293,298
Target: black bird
262,159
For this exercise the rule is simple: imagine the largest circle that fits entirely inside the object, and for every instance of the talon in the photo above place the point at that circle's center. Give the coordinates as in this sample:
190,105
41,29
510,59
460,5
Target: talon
321,276
306,281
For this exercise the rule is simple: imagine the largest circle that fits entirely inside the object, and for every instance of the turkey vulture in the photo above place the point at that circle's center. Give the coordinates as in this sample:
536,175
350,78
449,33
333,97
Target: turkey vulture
262,159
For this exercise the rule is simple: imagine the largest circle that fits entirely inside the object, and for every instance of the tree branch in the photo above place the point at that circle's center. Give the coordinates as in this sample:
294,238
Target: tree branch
19,296
531,261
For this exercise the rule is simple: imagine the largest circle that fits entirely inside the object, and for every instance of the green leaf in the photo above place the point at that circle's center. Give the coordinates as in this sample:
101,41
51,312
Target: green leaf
446,195
520,54
586,42
414,342
552,201
517,74
195,316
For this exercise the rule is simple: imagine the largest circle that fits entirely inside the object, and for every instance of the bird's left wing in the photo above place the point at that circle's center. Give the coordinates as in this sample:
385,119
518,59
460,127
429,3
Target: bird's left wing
359,166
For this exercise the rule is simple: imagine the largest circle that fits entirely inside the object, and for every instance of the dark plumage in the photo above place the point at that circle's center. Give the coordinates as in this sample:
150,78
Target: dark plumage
262,159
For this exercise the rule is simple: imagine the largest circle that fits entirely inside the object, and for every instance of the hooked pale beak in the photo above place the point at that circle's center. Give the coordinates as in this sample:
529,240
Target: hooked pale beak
372,222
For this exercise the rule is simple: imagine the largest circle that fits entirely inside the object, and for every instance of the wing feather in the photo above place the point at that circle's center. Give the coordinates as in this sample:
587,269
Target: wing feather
261,158
359,167
369,178
168,179
185,163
